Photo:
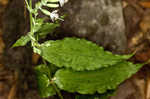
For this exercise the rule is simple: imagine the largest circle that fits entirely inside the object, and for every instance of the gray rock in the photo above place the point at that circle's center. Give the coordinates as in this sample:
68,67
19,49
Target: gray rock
98,20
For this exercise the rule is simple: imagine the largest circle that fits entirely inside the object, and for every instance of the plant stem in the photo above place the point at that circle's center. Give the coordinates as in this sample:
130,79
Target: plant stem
31,21
33,41
32,33
53,84
57,90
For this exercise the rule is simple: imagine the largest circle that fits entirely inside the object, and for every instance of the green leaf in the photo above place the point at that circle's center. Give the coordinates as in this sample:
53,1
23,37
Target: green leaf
47,28
22,41
39,22
89,82
53,68
42,69
44,87
78,54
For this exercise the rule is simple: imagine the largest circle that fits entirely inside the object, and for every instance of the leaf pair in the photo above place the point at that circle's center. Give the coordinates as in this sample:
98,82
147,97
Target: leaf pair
85,82
88,68
41,29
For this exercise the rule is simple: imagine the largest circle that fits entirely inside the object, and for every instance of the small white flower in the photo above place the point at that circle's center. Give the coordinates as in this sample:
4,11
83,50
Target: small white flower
54,15
62,2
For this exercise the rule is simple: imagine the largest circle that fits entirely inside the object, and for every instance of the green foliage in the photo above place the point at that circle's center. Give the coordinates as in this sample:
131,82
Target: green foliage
53,68
38,25
43,28
39,22
46,29
43,80
45,89
79,54
42,70
22,41
88,82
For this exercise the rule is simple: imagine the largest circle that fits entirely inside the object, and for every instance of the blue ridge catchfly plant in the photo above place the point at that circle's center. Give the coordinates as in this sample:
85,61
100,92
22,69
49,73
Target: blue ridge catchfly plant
72,64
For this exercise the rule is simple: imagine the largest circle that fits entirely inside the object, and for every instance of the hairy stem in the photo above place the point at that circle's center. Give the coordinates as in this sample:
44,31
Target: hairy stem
31,21
53,84
57,90
32,34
